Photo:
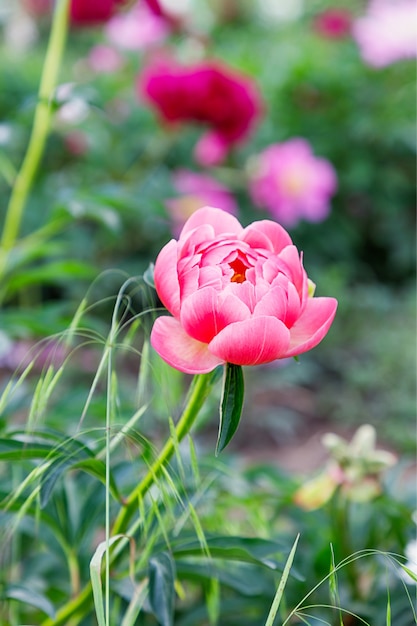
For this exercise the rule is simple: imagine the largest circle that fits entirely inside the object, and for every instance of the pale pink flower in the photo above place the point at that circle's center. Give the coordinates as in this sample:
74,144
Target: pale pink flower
388,32
293,184
104,59
197,190
236,295
137,29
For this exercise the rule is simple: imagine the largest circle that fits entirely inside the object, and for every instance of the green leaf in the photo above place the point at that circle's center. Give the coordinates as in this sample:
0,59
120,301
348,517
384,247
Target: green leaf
11,449
410,572
29,596
97,468
280,591
247,549
247,579
51,273
148,275
71,453
95,576
231,404
161,588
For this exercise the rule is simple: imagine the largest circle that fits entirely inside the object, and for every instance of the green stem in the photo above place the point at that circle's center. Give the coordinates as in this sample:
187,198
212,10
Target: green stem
199,391
40,129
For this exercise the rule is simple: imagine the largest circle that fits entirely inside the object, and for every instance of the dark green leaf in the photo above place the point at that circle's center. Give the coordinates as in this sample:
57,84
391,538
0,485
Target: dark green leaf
72,452
11,449
161,588
97,468
245,578
270,554
231,405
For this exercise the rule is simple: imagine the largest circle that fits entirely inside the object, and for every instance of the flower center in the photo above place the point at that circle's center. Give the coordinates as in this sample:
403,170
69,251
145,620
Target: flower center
239,269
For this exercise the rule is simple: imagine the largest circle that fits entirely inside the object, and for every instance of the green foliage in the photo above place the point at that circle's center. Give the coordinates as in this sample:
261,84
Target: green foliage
231,404
203,540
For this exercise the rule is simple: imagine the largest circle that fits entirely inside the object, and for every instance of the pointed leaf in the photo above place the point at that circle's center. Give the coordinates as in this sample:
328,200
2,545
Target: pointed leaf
95,576
161,588
29,596
97,468
148,275
231,404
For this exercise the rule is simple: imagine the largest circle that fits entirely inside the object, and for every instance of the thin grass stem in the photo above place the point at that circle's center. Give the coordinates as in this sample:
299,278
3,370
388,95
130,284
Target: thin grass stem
40,129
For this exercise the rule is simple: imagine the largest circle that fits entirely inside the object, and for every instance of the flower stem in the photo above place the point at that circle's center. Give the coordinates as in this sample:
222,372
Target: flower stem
40,129
198,393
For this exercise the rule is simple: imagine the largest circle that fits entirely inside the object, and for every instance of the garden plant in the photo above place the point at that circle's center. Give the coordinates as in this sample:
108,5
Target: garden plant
207,286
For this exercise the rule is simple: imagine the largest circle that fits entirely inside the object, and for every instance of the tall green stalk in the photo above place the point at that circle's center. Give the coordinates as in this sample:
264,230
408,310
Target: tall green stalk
199,391
40,130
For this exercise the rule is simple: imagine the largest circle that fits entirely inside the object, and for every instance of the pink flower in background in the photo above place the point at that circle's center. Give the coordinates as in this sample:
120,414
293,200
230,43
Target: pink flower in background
237,295
333,23
208,93
136,29
92,12
197,190
388,32
293,184
104,59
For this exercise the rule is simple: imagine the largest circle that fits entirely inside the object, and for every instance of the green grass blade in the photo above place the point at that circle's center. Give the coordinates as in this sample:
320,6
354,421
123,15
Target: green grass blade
278,596
95,576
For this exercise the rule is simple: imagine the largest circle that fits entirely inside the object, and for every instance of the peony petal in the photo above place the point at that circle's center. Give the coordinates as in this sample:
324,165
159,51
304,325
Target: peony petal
180,350
273,303
293,306
221,221
276,236
206,312
166,278
312,325
251,342
290,258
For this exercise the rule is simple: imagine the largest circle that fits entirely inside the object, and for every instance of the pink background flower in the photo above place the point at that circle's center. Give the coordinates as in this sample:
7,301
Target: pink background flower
293,184
236,295
210,94
333,23
136,29
388,32
104,59
197,190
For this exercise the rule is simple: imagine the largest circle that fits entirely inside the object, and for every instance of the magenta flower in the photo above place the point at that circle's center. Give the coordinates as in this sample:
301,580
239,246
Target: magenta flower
387,33
210,94
197,190
92,12
236,295
289,181
333,23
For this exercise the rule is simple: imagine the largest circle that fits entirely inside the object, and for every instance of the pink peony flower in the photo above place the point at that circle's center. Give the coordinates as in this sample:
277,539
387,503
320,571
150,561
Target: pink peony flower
209,94
333,23
197,190
388,32
237,295
92,12
289,181
136,29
